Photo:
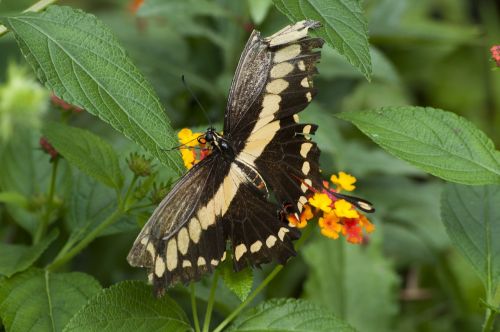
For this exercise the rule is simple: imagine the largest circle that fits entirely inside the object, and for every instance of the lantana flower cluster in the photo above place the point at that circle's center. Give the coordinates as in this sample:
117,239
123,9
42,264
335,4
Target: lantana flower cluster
193,148
336,216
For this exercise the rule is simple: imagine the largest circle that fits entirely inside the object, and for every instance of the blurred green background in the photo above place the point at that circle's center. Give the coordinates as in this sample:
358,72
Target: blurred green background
428,52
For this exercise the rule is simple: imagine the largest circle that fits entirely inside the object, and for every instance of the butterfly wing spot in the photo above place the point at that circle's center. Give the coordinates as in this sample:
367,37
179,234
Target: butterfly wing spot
282,232
281,69
271,240
301,65
277,86
171,255
286,53
305,82
306,184
159,266
214,262
186,263
151,249
144,240
255,246
194,230
296,118
183,240
306,167
307,129
309,96
305,148
206,215
270,105
239,251
201,261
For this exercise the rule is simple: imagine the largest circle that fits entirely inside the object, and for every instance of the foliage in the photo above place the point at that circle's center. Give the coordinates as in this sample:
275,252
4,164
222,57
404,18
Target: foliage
78,182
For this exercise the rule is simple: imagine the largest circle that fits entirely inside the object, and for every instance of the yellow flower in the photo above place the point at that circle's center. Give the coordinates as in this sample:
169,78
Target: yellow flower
330,226
188,157
344,181
321,201
343,209
187,137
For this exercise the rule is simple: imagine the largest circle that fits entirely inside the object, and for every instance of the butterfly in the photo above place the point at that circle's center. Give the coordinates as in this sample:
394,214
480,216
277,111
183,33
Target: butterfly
263,166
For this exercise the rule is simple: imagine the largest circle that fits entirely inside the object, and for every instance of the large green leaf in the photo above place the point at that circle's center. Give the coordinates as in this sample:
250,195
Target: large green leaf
345,27
18,257
471,215
37,300
78,58
287,315
89,205
354,282
439,142
88,152
129,306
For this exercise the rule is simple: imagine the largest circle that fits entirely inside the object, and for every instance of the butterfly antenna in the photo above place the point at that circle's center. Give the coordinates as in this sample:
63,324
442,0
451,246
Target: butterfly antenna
196,99
182,145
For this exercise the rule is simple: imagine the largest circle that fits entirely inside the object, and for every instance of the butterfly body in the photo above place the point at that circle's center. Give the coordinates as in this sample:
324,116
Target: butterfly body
265,159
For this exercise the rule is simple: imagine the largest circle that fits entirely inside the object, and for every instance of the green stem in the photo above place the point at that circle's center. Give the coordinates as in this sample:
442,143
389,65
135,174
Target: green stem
62,259
44,222
489,320
126,203
305,235
250,298
36,7
66,253
194,308
210,304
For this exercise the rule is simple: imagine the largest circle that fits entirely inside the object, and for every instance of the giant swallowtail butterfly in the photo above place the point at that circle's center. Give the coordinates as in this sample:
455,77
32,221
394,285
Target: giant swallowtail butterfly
264,160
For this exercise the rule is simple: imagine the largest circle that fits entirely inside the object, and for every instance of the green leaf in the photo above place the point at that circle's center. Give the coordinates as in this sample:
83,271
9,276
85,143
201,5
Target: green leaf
240,283
15,198
471,215
78,58
356,283
90,204
183,8
345,27
439,142
17,257
259,9
37,300
287,315
129,306
87,151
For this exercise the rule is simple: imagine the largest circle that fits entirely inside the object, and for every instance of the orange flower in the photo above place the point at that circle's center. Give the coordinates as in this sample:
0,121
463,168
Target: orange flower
329,225
304,217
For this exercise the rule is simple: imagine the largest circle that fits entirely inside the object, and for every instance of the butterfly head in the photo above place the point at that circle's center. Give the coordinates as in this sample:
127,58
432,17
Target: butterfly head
215,140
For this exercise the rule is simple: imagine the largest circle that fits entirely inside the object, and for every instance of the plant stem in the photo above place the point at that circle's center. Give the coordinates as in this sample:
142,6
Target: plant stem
36,7
66,253
305,235
210,304
250,298
194,308
489,320
44,222
61,259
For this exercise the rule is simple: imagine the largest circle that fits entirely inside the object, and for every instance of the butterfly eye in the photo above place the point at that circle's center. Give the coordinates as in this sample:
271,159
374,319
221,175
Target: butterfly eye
209,137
